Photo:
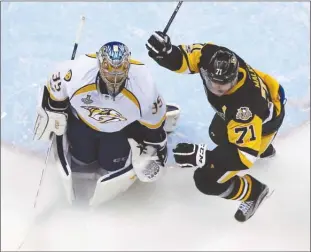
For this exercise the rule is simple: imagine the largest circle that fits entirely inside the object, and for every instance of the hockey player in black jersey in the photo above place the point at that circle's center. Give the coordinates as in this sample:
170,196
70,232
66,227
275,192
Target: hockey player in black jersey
249,107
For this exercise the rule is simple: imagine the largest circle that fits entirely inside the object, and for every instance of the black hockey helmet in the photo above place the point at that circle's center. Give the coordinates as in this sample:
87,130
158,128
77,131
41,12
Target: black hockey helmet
221,69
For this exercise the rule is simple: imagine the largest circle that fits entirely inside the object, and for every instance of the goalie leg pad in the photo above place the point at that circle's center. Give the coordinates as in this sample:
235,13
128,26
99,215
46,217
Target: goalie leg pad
112,184
60,146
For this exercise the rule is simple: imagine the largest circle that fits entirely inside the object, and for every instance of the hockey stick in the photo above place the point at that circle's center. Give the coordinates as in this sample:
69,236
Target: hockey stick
172,17
77,38
59,138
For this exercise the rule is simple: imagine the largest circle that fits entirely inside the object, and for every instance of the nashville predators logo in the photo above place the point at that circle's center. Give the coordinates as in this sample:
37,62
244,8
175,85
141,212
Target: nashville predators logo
104,115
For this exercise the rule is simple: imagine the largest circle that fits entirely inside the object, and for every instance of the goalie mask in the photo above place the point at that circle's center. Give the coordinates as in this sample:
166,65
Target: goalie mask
113,60
220,73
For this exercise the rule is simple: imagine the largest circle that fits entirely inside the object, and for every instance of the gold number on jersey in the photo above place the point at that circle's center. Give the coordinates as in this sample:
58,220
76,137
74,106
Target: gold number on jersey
243,132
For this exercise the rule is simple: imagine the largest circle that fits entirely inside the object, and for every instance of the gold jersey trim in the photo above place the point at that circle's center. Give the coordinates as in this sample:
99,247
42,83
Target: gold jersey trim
154,126
248,163
127,93
87,123
239,84
84,89
240,190
228,175
250,183
135,62
91,55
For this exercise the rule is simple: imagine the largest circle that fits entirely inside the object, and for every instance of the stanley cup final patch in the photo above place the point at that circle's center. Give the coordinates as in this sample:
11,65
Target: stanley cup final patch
243,114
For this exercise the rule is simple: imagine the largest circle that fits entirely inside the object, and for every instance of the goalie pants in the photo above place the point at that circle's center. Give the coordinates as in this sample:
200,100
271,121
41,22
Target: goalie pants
226,183
110,150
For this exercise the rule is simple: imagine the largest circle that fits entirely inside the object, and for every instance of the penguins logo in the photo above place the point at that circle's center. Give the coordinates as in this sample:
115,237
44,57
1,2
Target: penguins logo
104,115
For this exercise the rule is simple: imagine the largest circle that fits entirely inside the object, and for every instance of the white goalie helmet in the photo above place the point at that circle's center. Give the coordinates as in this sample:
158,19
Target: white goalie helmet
114,63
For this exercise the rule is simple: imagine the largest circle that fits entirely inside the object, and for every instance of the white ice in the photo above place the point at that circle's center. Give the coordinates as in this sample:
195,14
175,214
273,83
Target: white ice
168,215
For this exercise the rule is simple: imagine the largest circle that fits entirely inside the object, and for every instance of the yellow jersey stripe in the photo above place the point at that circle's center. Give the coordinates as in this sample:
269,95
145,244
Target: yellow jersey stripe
132,97
228,175
154,126
246,158
249,187
136,62
240,190
87,88
91,55
240,83
273,87
185,61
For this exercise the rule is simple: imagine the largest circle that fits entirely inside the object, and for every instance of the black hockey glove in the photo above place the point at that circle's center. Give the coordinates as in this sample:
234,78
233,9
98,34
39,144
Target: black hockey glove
190,155
159,45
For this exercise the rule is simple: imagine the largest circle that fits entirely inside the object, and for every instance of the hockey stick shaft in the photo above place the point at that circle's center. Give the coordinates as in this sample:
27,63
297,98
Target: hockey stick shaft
78,35
172,17
53,136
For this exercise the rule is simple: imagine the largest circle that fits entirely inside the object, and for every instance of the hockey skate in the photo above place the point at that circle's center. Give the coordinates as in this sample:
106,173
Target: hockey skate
248,208
269,152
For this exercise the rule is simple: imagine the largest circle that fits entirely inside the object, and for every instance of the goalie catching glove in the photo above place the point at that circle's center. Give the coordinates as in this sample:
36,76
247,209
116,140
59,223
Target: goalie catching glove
150,160
190,155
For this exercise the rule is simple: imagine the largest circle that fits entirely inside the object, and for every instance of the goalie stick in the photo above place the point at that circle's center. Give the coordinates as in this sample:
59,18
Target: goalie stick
54,138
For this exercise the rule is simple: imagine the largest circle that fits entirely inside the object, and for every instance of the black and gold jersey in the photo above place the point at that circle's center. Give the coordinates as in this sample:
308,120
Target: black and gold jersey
245,108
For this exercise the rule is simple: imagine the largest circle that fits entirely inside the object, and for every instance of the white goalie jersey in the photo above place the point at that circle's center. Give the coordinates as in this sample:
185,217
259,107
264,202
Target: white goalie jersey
139,100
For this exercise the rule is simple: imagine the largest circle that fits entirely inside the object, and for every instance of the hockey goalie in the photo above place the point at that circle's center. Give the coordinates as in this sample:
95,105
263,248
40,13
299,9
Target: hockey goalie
106,113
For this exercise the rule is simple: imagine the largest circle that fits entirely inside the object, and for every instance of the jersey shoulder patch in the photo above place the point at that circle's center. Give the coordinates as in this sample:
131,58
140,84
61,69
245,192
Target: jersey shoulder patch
68,75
